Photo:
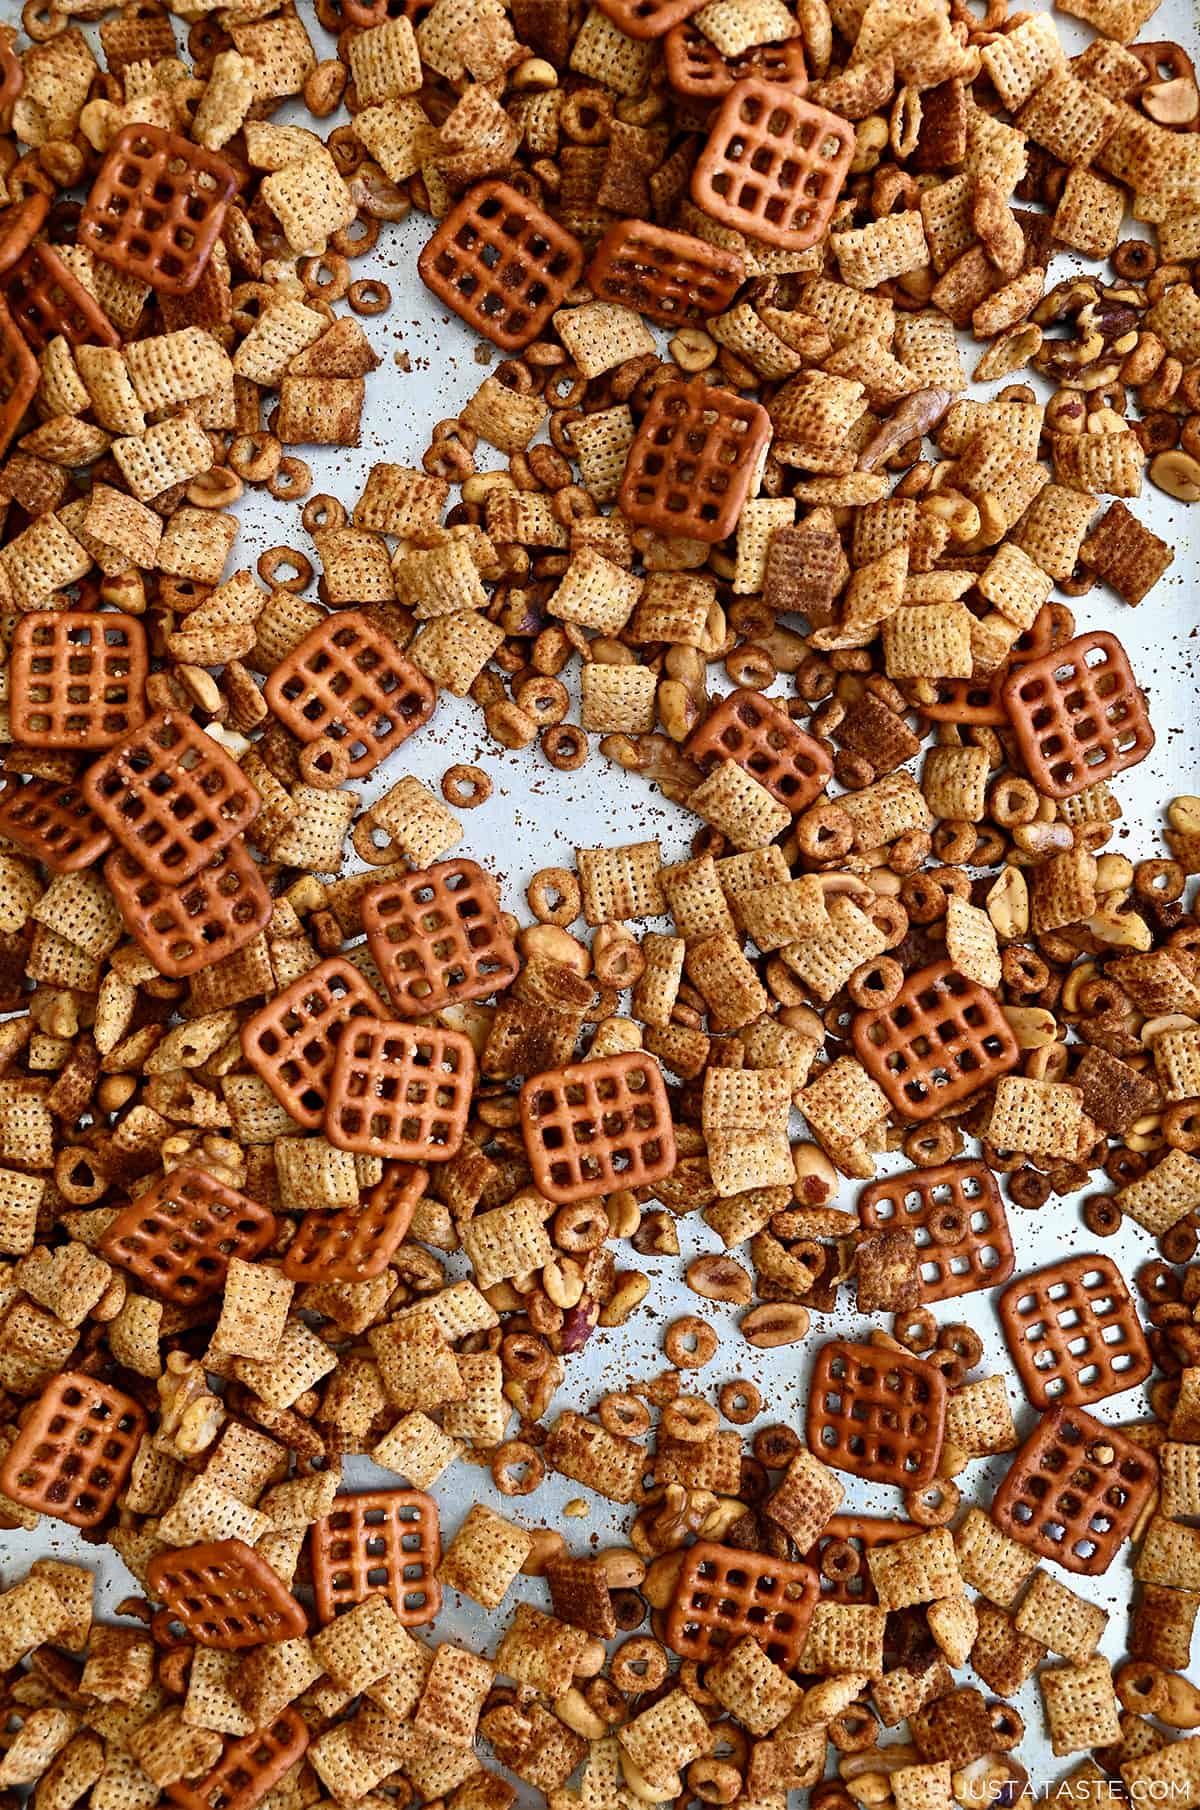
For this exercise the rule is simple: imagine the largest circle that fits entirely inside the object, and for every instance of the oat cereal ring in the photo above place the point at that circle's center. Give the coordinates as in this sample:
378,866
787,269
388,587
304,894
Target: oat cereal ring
691,1419
323,511
740,1401
690,1342
934,1506
917,1330
275,565
624,1415
367,295
554,896
466,787
291,480
517,1468
638,1665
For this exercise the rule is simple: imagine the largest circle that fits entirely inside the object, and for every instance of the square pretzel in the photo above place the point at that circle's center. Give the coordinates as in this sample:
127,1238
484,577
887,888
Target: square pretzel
179,1235
695,66
877,1414
1078,714
225,1594
759,737
292,1041
956,1215
438,938
596,1127
354,1244
77,678
693,461
941,1040
774,164
171,795
19,377
400,1090
667,276
502,264
52,821
190,926
382,1540
723,1594
347,681
157,207
46,299
1075,1491
839,1554
248,1768
1074,1333
71,1457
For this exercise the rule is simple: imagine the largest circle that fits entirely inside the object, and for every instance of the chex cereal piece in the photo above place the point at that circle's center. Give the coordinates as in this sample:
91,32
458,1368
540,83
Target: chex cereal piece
501,263
1034,1117
919,1569
879,1415
180,1233
71,1456
694,460
156,207
941,1039
187,927
170,795
226,1595
348,683
774,165
399,1090
1077,714
1125,554
1062,1621
606,1462
851,1538
979,1418
438,938
1081,1706
989,1560
594,1127
77,680
738,805
753,1689
484,1556
365,1644
722,1594
1074,1333
666,1737
759,737
292,1042
1171,1769
1075,1491
844,1637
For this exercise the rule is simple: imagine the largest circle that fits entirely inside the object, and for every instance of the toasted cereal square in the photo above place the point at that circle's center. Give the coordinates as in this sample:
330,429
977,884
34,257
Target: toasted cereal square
665,1738
735,803
718,968
416,1361
924,1787
363,1645
803,1502
1170,1552
297,1364
484,1556
540,1651
844,1637
1035,1117
1015,585
120,1665
595,593
1081,1706
254,1309
599,335
454,1693
989,1560
1023,59
385,62
506,1242
603,52
1052,529
1125,554
955,782
205,1511
1063,1622
601,443
617,699
621,883
916,1570
928,641
20,1198
453,650
979,1418
756,1691
1089,213
1003,1657
416,1448
589,1454
484,1413
695,899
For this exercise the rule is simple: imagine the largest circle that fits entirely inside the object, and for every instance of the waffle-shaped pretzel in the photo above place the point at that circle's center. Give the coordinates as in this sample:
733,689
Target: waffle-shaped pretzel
52,821
1075,1491
77,678
400,1090
876,1413
19,374
665,275
355,1243
72,1455
179,1235
292,1041
774,164
225,1594
46,299
438,937
942,1038
695,66
754,733
596,1127
694,461
723,1593
647,18
1074,1333
348,681
187,927
171,795
248,1768
157,207
385,1540
502,264
956,1215
1078,714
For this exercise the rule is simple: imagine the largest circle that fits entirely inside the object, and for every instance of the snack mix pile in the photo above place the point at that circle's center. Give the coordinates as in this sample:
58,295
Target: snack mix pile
304,1157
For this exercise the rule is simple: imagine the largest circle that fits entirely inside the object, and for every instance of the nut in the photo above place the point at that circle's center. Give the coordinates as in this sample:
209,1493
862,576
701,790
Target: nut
775,1323
1178,474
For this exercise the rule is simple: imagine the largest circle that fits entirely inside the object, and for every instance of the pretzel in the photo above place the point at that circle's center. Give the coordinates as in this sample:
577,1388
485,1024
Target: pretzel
178,1236
399,1090
753,732
940,1041
185,928
597,1126
774,164
1074,1333
666,276
387,1537
354,1244
1075,1491
501,264
248,1768
225,1594
956,1216
1077,714
156,208
45,298
347,681
877,1414
437,937
722,1594
693,461
71,1457
292,1041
